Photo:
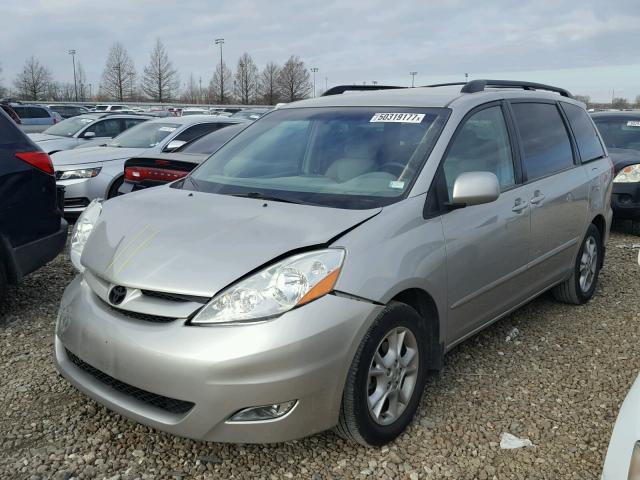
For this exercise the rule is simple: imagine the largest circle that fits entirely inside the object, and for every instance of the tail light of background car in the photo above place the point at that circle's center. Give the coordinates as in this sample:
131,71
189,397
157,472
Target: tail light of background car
138,174
40,160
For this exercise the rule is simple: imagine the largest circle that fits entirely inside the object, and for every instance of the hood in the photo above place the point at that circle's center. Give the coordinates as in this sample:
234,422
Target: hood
43,137
196,243
92,155
623,157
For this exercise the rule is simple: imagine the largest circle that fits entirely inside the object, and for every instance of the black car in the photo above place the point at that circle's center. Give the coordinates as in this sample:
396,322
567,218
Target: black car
32,230
621,134
153,170
68,111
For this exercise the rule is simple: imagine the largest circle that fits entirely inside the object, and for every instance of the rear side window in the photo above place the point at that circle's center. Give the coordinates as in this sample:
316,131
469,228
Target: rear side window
132,122
584,132
31,112
197,131
545,141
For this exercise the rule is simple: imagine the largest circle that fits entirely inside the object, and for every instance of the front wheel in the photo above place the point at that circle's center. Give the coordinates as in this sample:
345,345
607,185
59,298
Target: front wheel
386,379
113,191
579,288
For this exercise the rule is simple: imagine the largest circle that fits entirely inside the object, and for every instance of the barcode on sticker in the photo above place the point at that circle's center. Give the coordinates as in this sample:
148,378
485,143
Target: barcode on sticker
397,117
166,129
633,123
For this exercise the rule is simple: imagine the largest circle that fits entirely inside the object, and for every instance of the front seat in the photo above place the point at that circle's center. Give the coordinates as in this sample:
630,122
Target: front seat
359,158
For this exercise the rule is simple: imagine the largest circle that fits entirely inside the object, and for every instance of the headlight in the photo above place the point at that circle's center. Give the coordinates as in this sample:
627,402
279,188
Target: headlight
77,174
276,289
634,466
81,231
628,174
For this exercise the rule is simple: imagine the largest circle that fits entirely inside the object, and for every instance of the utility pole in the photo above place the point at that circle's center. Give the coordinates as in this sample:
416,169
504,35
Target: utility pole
200,91
90,96
220,41
75,83
326,83
466,77
314,70
413,77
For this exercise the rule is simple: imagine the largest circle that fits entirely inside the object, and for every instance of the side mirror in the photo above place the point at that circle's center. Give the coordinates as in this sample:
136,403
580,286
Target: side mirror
89,135
475,188
173,145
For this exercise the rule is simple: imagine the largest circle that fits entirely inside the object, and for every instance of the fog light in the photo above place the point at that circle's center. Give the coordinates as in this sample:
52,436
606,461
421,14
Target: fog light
263,412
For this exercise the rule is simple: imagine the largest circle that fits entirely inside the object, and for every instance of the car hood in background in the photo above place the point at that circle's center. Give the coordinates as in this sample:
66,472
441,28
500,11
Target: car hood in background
195,243
43,137
622,157
79,156
53,143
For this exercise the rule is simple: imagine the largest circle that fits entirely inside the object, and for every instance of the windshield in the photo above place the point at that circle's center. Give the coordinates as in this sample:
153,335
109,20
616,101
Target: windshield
620,132
69,127
347,157
144,135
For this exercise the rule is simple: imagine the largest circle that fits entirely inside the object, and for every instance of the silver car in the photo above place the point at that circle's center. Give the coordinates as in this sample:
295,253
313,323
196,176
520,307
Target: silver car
312,271
98,172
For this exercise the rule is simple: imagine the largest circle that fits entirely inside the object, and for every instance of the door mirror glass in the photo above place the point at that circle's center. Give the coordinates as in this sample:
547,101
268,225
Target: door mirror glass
173,145
89,135
475,188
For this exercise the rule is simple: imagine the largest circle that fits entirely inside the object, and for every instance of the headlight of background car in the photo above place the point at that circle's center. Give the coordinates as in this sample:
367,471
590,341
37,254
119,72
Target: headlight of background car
78,174
628,174
276,289
82,229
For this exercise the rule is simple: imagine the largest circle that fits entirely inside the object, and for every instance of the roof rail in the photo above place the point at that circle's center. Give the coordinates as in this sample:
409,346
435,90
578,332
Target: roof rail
475,86
357,88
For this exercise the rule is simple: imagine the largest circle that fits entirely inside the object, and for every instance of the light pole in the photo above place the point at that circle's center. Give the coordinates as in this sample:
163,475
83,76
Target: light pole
90,96
314,70
413,77
220,41
326,83
75,83
466,77
374,82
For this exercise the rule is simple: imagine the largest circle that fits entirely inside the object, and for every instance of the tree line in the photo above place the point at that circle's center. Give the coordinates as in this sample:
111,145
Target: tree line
160,81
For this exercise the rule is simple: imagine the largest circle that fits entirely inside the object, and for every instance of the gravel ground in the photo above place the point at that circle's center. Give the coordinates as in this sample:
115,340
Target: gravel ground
558,382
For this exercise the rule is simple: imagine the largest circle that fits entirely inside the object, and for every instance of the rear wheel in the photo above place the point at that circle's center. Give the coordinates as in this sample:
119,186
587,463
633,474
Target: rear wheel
113,191
579,288
386,379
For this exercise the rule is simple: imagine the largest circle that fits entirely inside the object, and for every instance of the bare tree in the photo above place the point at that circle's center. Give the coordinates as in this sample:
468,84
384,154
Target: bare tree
191,92
637,102
586,99
33,80
246,81
118,77
3,90
219,85
619,103
160,81
83,86
268,88
293,80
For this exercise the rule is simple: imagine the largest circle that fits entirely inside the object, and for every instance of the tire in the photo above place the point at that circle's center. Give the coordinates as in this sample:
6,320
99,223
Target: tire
356,421
113,191
572,290
3,280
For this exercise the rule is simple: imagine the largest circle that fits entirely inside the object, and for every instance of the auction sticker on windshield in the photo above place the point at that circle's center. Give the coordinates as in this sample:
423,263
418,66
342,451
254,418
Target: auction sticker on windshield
397,117
633,123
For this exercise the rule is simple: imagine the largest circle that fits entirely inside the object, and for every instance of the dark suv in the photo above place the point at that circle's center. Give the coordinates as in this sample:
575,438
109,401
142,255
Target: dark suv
32,230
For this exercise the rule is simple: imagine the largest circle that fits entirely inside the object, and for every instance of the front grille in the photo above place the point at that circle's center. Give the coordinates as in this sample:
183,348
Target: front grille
167,404
79,202
175,297
145,317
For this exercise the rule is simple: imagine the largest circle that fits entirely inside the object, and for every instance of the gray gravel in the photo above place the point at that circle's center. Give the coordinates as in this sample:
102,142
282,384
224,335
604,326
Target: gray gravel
558,381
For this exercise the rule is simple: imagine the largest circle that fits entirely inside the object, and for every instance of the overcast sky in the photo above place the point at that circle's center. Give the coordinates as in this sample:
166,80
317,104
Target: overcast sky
589,47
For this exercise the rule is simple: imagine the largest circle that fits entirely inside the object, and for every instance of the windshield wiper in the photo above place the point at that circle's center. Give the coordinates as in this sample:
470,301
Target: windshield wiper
263,196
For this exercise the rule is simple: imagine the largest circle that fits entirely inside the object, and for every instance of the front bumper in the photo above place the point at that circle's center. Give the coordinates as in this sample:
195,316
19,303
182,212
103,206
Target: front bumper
303,355
625,200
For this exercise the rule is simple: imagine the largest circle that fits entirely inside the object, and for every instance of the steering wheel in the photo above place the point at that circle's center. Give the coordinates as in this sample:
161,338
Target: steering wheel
395,168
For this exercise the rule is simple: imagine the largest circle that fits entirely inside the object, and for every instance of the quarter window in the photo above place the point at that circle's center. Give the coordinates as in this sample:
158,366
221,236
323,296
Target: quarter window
481,145
584,132
545,141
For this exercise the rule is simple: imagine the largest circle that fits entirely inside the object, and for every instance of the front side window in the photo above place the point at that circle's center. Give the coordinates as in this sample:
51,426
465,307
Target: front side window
481,145
105,128
620,131
145,135
545,141
348,157
584,132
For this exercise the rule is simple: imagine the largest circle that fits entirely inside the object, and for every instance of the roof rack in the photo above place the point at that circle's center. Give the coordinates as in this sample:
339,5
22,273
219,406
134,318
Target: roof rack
479,85
357,88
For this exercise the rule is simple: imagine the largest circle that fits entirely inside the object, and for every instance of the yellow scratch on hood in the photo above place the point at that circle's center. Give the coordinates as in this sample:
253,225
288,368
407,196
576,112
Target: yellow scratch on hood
127,245
138,248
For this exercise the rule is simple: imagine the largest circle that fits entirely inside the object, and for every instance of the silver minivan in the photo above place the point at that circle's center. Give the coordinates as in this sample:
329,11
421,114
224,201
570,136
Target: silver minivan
312,271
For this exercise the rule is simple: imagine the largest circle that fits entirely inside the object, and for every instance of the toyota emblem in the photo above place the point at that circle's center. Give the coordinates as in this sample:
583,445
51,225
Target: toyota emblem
117,294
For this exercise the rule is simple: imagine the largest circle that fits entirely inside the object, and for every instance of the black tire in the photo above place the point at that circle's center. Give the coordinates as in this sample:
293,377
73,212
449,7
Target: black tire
3,280
570,291
356,422
113,191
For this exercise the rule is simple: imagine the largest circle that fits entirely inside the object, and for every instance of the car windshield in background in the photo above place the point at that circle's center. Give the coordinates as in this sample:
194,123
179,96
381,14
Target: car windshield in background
620,132
213,141
186,113
346,157
145,135
69,127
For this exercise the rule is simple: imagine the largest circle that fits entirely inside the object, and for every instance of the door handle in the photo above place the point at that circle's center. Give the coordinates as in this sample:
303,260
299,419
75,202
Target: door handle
538,197
519,205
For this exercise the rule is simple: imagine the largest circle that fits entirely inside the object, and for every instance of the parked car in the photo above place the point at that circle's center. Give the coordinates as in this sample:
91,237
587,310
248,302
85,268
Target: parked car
623,456
110,108
98,172
621,134
151,170
251,113
89,130
68,111
315,267
194,111
32,230
36,118
11,112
